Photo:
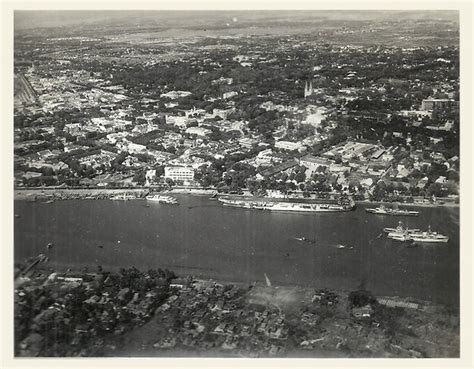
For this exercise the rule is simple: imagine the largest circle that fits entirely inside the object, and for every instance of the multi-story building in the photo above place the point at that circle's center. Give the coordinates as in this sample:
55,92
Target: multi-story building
185,174
199,131
247,142
287,145
435,104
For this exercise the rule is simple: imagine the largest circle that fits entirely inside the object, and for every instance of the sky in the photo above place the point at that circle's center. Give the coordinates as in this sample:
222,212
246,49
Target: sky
40,19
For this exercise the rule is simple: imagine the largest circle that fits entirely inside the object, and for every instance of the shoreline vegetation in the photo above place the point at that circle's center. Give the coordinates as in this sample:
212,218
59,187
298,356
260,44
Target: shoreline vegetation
139,193
155,313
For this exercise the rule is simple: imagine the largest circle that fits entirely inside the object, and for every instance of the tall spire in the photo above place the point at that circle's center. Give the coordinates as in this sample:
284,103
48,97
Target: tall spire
308,89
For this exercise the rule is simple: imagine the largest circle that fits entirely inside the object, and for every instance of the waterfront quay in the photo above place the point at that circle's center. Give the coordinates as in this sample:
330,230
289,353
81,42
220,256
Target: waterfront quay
67,193
76,194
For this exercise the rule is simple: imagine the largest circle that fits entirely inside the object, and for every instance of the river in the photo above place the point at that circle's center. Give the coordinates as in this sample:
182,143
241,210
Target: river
203,238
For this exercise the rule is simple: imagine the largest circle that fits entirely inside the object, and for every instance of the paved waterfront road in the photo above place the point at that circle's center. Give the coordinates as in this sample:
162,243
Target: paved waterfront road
205,239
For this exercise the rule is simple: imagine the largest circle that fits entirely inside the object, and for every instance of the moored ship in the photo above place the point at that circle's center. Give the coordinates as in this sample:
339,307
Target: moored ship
401,229
427,236
163,199
403,237
382,210
123,197
288,206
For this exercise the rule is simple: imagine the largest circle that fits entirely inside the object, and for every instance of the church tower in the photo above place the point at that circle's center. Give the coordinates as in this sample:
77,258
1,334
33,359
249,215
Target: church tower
308,89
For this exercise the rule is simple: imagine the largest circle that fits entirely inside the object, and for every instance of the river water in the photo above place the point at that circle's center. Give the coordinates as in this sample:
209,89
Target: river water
203,238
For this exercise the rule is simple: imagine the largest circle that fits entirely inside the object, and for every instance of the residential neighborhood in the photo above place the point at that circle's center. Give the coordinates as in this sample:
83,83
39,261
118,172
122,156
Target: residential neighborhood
81,116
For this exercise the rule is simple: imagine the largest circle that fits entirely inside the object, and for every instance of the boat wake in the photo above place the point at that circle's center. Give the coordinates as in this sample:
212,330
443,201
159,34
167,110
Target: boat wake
304,239
341,246
453,216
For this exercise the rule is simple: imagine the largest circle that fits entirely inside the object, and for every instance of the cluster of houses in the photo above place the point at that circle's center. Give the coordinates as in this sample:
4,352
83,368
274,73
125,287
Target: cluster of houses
160,131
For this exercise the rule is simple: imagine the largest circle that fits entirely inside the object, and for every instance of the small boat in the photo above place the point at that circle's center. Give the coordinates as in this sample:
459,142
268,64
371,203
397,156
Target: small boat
17,215
49,246
48,202
123,197
163,199
304,239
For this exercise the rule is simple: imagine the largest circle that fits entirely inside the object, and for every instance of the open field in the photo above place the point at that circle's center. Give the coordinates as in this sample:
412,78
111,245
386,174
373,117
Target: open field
323,26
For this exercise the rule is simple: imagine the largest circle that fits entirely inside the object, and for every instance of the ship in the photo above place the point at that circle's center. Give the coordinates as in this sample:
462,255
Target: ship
163,199
427,236
123,197
403,237
284,206
400,229
382,210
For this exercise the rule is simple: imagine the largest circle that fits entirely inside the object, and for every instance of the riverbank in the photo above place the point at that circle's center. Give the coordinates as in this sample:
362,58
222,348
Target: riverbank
88,194
76,194
407,204
192,191
209,318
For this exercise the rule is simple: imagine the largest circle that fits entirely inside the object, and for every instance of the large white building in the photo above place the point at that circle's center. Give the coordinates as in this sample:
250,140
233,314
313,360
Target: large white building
264,157
287,145
433,104
185,174
177,120
176,94
198,131
247,142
